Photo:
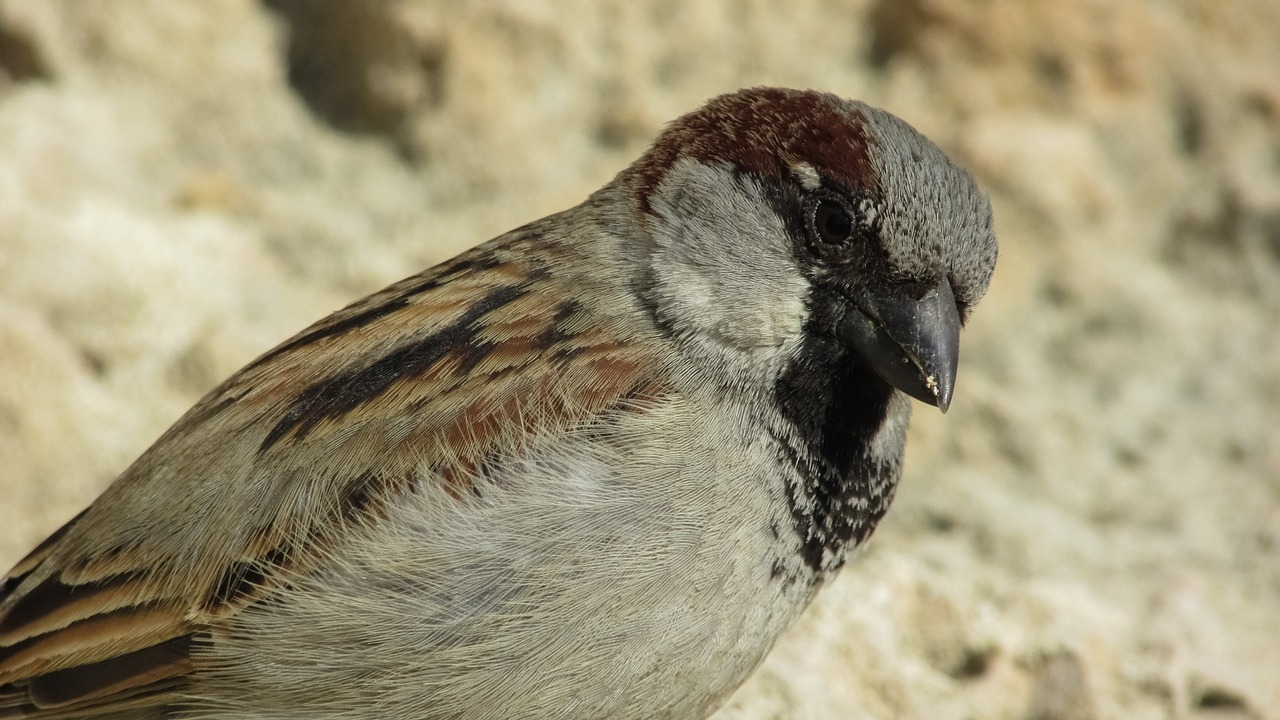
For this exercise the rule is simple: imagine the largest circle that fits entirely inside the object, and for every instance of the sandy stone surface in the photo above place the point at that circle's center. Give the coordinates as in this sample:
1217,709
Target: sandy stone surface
1093,531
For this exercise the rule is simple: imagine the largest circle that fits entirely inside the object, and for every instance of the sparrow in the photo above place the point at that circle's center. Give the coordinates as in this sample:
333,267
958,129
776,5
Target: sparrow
588,469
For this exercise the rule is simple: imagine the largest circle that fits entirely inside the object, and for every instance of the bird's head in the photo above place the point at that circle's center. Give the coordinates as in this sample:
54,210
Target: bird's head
783,220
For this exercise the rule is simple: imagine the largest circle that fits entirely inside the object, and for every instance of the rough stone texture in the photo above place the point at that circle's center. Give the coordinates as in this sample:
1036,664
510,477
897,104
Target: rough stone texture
1092,532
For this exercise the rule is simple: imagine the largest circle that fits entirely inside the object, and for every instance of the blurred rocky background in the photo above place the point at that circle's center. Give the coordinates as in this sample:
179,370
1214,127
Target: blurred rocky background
1093,531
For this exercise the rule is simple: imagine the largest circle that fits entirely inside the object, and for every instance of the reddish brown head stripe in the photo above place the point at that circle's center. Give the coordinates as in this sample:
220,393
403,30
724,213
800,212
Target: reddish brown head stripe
767,132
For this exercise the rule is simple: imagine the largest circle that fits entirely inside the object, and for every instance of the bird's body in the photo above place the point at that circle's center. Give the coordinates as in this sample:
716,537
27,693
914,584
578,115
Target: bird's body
589,469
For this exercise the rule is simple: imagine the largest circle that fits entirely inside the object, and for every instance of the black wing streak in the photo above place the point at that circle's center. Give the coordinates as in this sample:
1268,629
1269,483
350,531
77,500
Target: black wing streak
338,395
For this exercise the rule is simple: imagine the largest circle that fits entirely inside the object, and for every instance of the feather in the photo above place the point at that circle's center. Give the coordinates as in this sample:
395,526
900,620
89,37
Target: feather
422,380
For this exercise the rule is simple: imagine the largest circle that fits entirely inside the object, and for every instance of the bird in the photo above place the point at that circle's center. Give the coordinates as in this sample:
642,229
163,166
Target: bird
591,468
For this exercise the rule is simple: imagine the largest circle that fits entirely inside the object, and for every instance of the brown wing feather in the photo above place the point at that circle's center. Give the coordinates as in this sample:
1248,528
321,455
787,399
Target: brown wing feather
423,379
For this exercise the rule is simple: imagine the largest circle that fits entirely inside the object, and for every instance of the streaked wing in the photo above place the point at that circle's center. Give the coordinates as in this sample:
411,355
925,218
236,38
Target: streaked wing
418,383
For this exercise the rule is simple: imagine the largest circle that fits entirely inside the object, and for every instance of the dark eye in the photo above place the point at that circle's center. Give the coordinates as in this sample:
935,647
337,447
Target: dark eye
832,223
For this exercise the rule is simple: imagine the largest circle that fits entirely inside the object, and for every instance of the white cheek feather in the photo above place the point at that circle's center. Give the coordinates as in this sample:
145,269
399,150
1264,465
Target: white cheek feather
782,320
725,267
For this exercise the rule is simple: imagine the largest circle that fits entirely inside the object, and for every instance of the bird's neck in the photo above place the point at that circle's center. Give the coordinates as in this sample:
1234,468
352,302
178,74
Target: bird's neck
847,433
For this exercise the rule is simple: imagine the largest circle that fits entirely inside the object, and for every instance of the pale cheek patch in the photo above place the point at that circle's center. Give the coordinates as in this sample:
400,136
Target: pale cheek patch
782,321
724,267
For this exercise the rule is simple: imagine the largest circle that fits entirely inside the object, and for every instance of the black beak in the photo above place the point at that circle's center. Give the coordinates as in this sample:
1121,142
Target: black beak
912,342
